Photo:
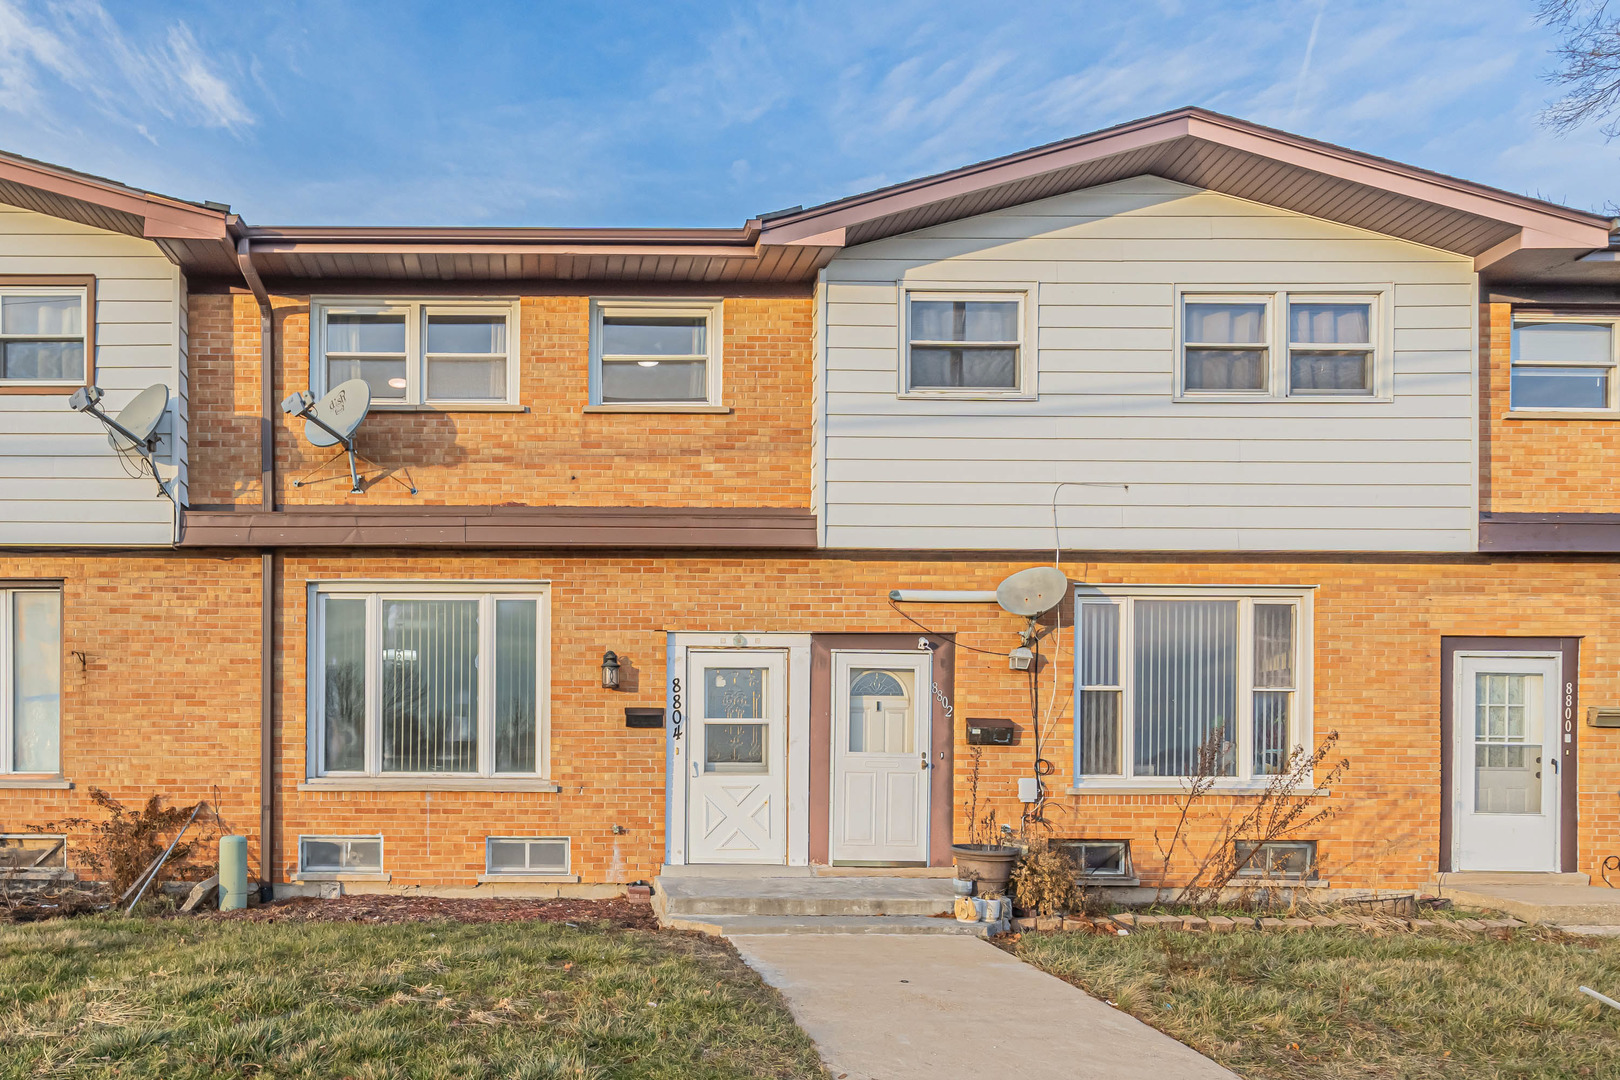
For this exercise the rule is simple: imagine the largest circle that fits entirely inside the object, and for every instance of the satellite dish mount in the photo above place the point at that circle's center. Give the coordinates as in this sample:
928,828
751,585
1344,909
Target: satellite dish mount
134,429
333,421
1031,593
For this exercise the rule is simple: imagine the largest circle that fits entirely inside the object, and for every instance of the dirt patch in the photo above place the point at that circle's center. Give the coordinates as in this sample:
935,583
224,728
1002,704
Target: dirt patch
38,905
402,909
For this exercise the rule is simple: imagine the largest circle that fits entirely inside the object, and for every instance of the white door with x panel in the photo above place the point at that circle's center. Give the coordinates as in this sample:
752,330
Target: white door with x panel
737,764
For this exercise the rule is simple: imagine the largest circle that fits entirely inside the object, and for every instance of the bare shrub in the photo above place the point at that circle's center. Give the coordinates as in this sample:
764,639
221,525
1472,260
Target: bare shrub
122,846
1043,881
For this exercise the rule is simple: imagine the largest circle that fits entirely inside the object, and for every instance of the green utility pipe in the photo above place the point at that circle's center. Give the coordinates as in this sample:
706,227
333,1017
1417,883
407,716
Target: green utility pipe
233,894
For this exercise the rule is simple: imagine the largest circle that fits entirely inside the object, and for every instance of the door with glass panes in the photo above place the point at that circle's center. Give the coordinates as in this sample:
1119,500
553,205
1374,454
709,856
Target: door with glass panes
737,765
1505,772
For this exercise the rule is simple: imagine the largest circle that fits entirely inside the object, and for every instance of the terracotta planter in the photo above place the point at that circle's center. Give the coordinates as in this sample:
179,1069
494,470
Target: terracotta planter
990,865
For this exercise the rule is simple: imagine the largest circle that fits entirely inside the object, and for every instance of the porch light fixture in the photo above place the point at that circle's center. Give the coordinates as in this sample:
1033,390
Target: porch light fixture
610,670
1021,658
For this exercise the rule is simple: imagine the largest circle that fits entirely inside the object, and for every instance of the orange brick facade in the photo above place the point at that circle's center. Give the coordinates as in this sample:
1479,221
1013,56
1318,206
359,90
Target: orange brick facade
166,698
553,454
1530,465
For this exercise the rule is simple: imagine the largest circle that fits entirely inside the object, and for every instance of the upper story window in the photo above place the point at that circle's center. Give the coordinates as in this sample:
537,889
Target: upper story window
970,344
655,353
1564,364
418,352
30,680
428,679
1175,685
1281,344
45,339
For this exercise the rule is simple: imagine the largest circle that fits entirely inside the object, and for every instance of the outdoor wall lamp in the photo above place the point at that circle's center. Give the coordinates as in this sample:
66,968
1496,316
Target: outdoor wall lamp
610,670
1021,658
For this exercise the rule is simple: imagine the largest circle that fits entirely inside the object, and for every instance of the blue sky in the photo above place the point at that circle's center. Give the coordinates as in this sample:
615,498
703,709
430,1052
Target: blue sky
706,113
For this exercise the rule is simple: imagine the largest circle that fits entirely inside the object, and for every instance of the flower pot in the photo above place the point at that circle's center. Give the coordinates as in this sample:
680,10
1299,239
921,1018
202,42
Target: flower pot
988,864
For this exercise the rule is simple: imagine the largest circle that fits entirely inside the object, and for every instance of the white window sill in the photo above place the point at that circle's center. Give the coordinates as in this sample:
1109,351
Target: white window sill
1177,788
338,876
1561,414
426,783
655,407
449,407
1282,399
963,395
529,879
36,782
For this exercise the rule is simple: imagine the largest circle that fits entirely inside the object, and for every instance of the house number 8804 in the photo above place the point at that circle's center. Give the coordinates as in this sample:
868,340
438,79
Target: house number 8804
675,707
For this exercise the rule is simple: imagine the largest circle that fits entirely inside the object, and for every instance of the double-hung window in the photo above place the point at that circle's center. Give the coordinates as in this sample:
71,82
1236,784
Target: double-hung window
424,679
45,335
1177,684
965,343
423,353
30,681
1281,344
655,354
1564,363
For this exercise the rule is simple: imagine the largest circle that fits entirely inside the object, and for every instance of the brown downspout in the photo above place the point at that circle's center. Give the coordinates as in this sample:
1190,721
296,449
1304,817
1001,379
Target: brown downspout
267,565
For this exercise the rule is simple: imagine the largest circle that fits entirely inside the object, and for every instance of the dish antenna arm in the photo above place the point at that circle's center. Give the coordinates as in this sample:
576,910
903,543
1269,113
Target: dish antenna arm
87,399
302,406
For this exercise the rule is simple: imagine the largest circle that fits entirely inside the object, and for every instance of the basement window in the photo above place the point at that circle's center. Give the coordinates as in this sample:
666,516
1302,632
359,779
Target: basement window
1098,860
547,855
1278,860
340,854
25,853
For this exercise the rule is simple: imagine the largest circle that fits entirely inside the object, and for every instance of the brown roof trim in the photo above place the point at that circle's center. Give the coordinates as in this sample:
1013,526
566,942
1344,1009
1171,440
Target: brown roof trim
501,527
160,216
1548,222
1549,534
287,237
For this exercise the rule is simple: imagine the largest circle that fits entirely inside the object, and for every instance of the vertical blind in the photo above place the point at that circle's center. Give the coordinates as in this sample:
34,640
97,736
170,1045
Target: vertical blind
516,660
36,679
345,711
429,689
1186,681
1099,708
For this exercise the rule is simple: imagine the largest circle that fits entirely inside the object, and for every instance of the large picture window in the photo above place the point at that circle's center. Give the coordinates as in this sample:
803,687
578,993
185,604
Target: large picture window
30,681
1176,685
427,680
424,353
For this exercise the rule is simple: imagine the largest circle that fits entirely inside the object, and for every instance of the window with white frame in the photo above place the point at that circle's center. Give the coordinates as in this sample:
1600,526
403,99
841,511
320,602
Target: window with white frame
546,855
1564,363
418,352
340,854
1183,685
652,353
43,338
1280,344
30,680
964,343
1101,860
423,679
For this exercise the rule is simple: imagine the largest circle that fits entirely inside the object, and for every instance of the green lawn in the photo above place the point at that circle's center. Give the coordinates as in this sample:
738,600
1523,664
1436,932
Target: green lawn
172,999
1341,1003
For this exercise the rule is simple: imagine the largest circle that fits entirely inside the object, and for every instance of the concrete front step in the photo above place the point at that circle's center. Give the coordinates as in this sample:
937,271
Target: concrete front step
744,925
1558,899
813,897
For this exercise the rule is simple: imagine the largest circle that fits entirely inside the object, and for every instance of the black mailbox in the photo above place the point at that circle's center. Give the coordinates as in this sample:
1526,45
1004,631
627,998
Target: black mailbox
989,731
642,717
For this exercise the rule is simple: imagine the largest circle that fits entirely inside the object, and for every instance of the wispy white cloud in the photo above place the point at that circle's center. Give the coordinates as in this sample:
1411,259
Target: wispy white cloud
77,46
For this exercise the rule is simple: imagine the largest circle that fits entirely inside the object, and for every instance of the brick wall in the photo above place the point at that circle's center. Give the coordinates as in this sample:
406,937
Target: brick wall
552,455
1531,465
168,700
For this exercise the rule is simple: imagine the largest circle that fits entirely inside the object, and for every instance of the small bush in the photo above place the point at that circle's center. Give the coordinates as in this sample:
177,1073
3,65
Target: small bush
124,845
1043,881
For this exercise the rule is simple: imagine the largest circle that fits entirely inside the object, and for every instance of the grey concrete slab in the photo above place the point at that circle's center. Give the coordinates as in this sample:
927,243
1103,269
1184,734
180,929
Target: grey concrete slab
1560,904
805,896
732,925
884,1007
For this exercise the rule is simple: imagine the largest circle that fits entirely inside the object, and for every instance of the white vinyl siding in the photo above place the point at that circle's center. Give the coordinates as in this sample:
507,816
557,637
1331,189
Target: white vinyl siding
60,481
1392,471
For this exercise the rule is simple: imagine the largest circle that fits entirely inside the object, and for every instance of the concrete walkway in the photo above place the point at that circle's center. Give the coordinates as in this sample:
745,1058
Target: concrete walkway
891,1007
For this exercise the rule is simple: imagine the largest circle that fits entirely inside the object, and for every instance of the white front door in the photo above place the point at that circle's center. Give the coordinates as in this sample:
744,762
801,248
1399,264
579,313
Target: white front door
1505,798
737,790
881,713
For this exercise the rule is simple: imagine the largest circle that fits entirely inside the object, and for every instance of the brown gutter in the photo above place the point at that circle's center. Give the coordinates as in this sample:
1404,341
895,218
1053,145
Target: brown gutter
267,567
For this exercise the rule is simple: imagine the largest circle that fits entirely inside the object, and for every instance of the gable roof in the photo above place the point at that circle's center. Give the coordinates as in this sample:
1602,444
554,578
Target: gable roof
1221,153
1504,232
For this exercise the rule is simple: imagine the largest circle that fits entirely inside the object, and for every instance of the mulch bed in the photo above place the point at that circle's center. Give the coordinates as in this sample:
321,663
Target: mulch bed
373,908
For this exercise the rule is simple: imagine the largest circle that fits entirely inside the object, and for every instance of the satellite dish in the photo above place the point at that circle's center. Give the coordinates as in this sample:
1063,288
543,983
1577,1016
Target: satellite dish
139,419
134,430
1032,592
335,418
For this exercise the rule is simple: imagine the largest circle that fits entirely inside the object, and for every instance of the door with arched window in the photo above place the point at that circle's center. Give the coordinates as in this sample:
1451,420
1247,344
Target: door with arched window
881,713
